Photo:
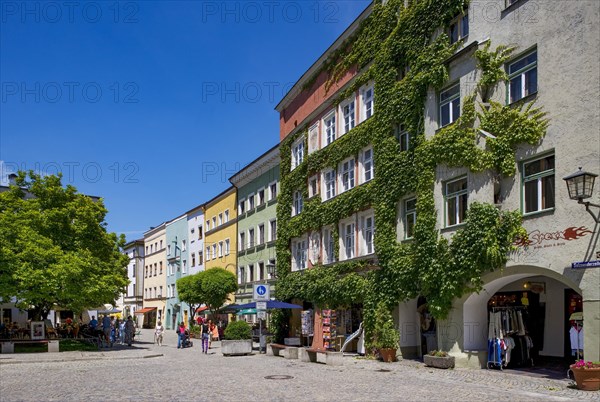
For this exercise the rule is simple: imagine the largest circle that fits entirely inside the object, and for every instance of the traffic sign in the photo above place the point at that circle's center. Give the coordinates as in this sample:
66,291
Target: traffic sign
261,292
261,315
261,305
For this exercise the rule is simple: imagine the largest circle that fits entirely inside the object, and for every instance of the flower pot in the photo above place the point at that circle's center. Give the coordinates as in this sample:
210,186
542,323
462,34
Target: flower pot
439,361
388,354
587,379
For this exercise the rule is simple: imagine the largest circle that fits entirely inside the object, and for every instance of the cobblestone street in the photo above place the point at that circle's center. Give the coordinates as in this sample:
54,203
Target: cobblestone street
148,373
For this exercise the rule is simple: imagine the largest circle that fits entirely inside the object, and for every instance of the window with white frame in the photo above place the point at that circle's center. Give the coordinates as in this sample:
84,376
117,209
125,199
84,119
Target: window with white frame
261,196
297,152
214,222
242,206
410,217
250,202
449,105
214,251
261,233
347,111
220,219
522,76
250,238
456,201
221,248
538,184
200,257
298,203
226,216
313,138
183,245
329,177
227,247
241,275
367,170
200,232
184,266
313,184
272,191
242,245
208,257
347,174
207,224
251,273
329,129
169,292
272,230
367,223
299,254
403,137
349,237
169,249
367,99
173,290
328,245
459,28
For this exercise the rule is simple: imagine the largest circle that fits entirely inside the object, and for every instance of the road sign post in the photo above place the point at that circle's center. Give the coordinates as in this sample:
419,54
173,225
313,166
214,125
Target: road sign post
261,295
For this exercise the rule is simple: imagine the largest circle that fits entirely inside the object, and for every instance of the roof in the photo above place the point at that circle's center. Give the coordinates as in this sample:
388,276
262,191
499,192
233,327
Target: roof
252,170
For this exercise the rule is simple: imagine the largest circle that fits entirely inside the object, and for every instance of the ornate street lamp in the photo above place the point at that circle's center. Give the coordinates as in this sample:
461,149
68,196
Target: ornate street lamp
581,185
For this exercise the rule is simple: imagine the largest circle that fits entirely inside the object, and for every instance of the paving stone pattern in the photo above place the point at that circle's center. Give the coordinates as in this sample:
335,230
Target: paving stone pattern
147,372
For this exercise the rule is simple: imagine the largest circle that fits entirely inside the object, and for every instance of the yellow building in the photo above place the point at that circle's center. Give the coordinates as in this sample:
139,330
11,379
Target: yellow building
220,220
155,277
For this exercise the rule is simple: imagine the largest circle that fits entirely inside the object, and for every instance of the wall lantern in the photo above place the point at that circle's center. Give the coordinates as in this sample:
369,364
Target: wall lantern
271,270
581,185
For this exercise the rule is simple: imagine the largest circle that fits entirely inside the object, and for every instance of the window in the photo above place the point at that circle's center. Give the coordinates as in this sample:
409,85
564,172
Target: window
220,219
273,230
207,225
403,137
348,231
160,291
146,271
368,230
522,75
367,97
242,244
367,165
329,131
168,291
214,222
456,201
146,249
172,291
449,105
251,202
261,233
329,184
313,138
200,257
250,273
410,217
538,184
297,152
459,28
227,247
347,174
242,275
226,219
272,191
155,269
298,203
161,245
214,251
151,249
299,252
208,253
183,245
250,238
312,186
169,249
242,206
348,116
184,267
221,249
328,246
160,268
261,271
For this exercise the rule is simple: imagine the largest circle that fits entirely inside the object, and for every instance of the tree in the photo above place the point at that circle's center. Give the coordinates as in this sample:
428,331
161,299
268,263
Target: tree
55,249
210,287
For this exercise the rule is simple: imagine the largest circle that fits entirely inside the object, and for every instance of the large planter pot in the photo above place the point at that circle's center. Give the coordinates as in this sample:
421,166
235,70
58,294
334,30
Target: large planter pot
237,347
439,362
388,354
587,379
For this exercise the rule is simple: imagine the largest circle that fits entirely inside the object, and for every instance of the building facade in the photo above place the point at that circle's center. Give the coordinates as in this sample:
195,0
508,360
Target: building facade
155,277
133,298
388,150
195,220
257,187
220,217
177,266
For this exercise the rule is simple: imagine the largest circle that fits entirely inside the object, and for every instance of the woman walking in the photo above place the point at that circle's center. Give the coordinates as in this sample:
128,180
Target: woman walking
205,334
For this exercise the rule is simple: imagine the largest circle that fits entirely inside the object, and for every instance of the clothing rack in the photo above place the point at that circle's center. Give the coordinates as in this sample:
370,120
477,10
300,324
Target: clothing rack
508,341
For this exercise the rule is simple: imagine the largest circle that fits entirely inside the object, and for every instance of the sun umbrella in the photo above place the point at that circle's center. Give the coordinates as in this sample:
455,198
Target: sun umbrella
270,305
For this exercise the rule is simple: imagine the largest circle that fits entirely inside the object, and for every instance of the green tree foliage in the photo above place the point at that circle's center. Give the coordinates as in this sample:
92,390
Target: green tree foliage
54,248
210,287
238,330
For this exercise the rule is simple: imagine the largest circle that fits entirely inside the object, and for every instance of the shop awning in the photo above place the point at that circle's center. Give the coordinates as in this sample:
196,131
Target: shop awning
246,311
201,309
145,310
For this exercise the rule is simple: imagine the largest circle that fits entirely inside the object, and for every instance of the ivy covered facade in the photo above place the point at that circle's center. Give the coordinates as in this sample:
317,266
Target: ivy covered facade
421,153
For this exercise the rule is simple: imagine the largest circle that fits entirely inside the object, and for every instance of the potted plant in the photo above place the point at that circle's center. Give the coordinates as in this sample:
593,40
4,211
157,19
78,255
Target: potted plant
587,375
195,331
386,337
438,359
237,339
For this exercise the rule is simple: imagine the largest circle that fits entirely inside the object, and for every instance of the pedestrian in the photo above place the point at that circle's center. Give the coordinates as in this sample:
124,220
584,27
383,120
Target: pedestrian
93,323
205,334
122,331
181,335
214,333
106,327
129,331
158,334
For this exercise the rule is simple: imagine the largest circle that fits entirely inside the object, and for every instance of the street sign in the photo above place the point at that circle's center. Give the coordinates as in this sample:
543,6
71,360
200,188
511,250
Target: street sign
261,305
262,315
585,264
261,292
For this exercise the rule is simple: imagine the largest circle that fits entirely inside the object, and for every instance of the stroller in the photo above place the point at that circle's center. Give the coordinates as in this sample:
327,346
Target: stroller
187,343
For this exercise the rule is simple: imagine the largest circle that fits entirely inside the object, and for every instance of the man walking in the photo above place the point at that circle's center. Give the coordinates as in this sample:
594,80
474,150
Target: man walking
106,326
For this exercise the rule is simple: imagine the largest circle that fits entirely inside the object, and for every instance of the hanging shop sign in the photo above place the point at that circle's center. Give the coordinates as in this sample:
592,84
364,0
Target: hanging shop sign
585,264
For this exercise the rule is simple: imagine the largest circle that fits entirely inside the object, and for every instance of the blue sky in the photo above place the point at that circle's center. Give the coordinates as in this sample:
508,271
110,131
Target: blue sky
152,105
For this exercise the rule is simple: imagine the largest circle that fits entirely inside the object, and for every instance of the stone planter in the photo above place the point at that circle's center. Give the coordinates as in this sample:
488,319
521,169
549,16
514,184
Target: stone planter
236,347
587,379
439,362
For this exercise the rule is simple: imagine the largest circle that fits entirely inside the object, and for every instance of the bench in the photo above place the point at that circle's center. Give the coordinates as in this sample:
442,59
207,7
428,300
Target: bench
287,352
309,355
8,346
